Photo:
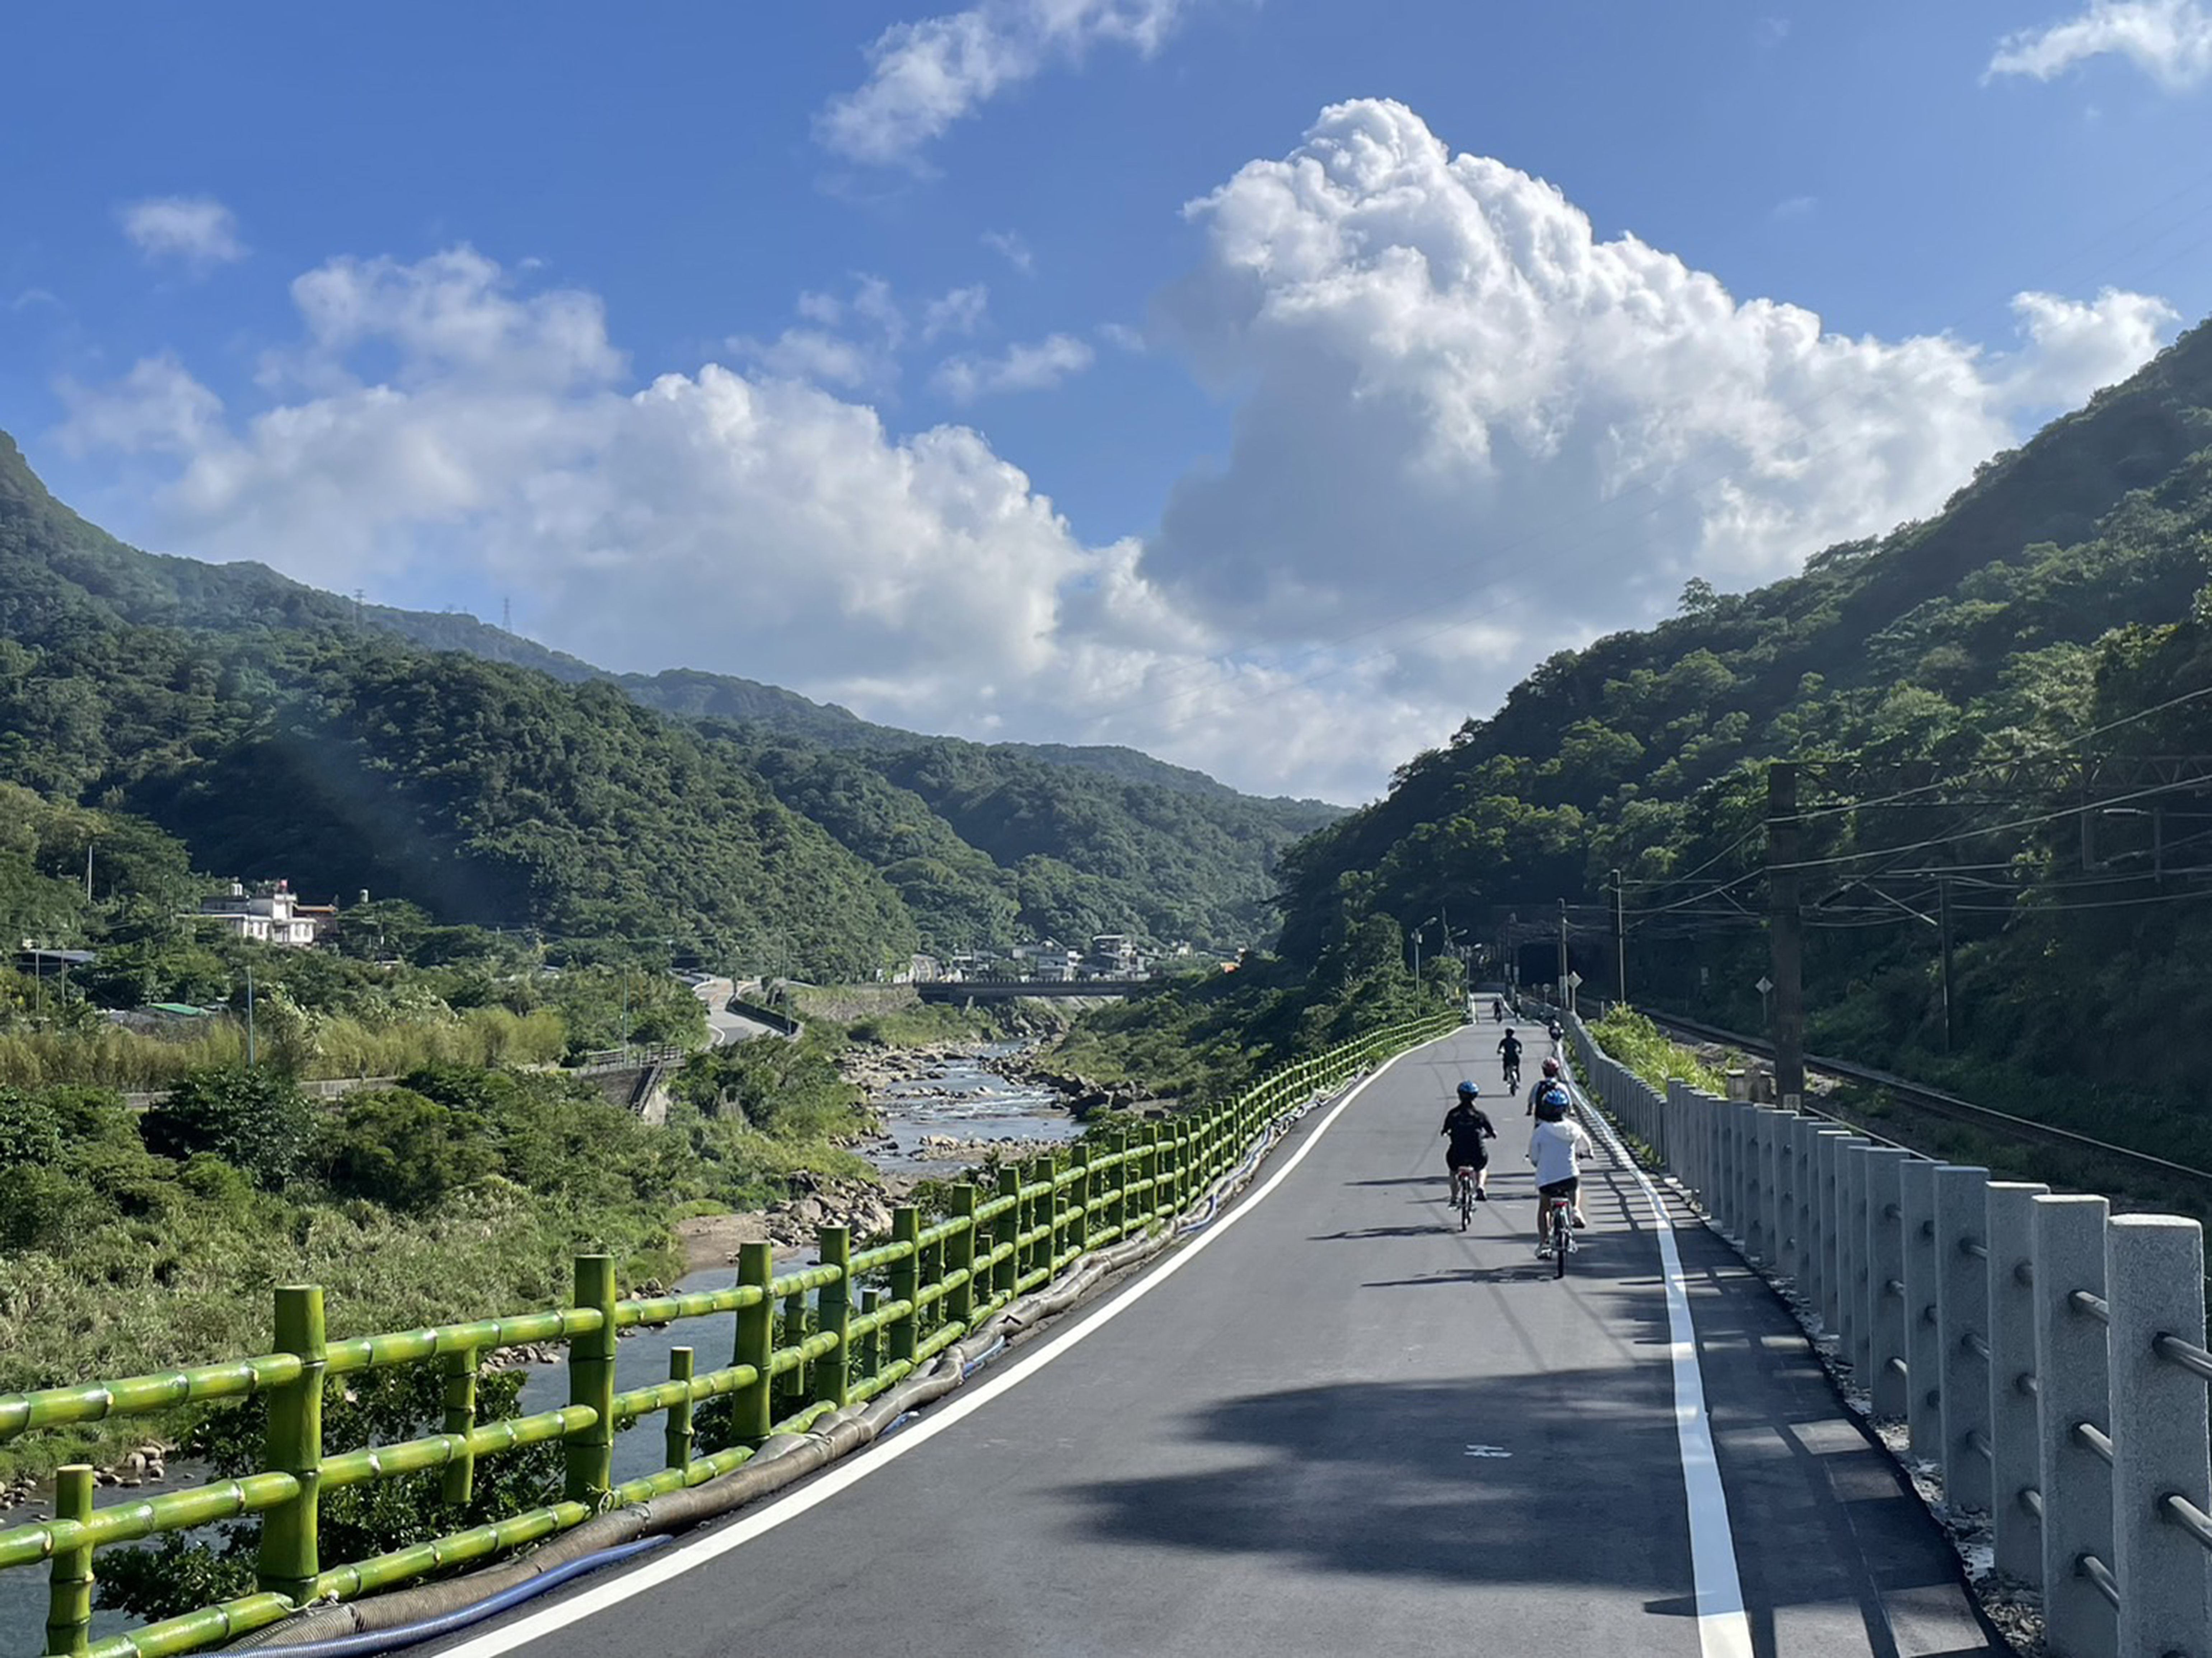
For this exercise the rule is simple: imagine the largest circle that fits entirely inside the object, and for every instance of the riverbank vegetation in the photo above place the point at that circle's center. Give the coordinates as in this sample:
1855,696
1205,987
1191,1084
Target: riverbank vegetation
136,1241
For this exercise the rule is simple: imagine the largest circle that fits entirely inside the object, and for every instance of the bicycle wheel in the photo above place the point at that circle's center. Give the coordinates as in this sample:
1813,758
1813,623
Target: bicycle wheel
1563,1221
1466,1202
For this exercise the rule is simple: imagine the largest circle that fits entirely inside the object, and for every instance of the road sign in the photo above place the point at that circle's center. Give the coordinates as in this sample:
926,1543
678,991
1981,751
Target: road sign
1574,981
1765,984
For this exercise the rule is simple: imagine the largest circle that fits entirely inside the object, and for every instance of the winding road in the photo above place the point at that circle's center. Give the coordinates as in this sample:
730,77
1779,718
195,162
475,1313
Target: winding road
1333,1423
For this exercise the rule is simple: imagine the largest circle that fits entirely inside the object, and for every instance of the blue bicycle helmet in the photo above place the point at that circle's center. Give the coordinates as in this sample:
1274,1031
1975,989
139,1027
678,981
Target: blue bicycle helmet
1468,1090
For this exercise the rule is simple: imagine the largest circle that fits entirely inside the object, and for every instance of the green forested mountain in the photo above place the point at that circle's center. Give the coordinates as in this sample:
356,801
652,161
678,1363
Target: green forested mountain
122,582
2062,591
277,729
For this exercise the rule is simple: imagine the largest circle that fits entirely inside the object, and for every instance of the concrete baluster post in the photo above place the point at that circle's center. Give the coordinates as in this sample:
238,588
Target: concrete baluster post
2155,1269
1857,1332
1804,1143
1962,1316
1888,1346
1731,1171
677,1435
68,1577
960,1258
791,1388
751,1410
1006,1232
1923,1411
872,1344
2014,1448
833,1316
1827,1147
1753,1135
591,1450
457,1485
2072,1371
1774,1176
293,1444
1837,1224
905,1332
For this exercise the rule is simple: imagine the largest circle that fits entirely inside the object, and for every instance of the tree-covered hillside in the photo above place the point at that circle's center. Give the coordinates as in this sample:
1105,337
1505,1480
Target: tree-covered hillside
511,783
2061,595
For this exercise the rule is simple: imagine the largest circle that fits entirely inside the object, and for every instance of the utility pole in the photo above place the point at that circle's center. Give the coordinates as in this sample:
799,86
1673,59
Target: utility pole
87,869
1785,939
249,1018
1565,998
1944,922
1619,940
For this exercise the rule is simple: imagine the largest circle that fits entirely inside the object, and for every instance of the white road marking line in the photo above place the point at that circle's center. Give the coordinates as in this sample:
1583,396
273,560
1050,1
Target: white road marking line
1723,1631
683,1557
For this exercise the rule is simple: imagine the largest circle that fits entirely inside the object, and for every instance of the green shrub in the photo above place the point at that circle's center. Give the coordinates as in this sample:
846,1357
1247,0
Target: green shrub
254,1120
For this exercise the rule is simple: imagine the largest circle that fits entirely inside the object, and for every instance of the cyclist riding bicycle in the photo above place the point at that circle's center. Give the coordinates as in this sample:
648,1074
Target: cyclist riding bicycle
1551,1077
1497,1009
1557,1148
1508,1048
1552,1030
1468,1124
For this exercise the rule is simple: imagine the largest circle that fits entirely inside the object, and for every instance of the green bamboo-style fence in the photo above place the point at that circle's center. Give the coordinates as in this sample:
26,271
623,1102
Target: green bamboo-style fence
787,1368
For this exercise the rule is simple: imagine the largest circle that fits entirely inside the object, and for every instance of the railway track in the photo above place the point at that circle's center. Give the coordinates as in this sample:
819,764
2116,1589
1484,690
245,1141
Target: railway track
1936,1103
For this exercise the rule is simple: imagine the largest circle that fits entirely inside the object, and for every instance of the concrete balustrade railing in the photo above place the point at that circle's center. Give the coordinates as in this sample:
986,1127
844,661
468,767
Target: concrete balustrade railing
2046,1356
792,1361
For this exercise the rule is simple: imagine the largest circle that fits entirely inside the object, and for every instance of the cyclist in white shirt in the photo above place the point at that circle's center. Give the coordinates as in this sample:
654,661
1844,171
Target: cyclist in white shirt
1556,1149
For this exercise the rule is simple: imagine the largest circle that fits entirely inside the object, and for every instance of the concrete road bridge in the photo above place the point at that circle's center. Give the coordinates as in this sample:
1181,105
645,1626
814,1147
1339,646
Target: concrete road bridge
959,991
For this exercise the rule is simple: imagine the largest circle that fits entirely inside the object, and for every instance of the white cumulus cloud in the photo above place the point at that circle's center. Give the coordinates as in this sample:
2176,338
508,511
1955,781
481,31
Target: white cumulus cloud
2170,40
1458,400
1467,432
437,417
197,229
1035,367
924,76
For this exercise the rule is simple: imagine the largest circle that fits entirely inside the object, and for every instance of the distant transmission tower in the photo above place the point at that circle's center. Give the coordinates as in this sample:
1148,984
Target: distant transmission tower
359,594
506,615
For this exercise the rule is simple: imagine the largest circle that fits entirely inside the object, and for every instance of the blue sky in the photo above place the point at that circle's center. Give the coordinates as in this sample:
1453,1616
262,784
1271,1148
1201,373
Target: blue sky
878,350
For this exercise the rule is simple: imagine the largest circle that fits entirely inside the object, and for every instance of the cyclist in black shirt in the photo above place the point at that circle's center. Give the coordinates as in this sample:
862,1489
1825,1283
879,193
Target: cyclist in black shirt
1469,1125
1509,1049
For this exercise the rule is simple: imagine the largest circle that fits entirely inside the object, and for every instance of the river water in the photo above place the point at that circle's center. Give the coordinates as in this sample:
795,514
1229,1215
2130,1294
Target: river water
959,1099
968,1103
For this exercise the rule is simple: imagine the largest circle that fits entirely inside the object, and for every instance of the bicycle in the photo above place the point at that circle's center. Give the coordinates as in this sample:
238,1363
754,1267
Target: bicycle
1558,1234
1463,1196
1513,1076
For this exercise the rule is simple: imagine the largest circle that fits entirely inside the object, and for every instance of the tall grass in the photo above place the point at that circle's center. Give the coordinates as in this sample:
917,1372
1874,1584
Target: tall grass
309,1047
1635,1041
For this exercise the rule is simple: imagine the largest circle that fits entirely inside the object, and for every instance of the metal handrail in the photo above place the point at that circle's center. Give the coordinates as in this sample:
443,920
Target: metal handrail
2182,1512
2100,1574
2187,1354
2094,1440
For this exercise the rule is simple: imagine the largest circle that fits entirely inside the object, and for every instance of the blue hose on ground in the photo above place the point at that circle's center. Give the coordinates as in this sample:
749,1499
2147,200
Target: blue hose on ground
385,1640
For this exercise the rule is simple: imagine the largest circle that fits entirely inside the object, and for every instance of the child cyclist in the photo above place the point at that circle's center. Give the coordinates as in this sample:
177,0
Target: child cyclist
1557,1148
1468,1127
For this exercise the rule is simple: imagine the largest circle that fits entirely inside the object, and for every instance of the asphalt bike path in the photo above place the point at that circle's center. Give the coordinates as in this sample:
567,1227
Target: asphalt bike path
1343,1425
